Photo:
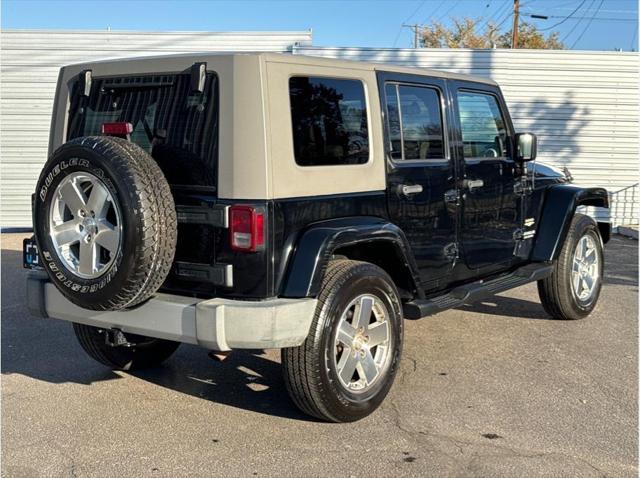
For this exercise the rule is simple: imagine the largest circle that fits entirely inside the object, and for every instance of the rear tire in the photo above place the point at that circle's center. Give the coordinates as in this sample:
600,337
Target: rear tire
148,352
571,292
336,382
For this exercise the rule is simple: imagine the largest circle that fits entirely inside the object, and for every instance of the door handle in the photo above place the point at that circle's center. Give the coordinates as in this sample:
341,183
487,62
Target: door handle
472,184
408,190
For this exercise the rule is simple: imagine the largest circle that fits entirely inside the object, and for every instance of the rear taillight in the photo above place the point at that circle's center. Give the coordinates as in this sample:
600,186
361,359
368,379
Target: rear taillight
117,129
246,228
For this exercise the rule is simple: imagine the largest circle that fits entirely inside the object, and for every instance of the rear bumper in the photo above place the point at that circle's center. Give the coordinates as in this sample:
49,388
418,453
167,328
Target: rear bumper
218,324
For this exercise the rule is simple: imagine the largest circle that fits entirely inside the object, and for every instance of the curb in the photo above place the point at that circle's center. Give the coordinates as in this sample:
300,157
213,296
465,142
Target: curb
627,232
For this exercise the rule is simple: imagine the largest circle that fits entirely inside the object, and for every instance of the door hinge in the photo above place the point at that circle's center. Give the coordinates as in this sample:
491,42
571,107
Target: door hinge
452,196
451,251
521,235
522,187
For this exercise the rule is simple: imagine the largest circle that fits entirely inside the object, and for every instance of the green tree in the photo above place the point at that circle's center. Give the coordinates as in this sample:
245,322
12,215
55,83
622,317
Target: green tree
466,33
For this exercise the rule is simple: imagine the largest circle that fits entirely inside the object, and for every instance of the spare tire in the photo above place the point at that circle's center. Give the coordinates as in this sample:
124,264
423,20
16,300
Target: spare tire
105,222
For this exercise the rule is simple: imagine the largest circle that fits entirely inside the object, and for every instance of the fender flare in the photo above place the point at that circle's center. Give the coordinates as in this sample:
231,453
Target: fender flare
560,203
317,244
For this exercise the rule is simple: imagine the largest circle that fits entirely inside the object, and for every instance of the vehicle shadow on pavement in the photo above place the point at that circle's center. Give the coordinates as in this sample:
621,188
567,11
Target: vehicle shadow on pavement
47,350
248,380
620,269
508,307
43,349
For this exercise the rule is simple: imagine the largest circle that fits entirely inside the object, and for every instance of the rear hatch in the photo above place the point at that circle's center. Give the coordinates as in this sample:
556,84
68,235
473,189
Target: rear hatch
176,122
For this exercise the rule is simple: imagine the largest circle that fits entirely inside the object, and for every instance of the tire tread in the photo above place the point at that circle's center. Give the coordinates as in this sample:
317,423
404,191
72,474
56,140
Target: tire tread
555,291
301,365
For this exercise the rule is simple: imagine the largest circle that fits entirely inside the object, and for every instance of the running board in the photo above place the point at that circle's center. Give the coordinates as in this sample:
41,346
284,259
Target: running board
467,293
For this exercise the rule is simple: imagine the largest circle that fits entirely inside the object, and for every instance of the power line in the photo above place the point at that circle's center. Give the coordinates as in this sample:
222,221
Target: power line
498,12
415,11
406,20
588,24
416,30
566,37
603,11
562,6
608,19
455,4
433,12
504,19
565,19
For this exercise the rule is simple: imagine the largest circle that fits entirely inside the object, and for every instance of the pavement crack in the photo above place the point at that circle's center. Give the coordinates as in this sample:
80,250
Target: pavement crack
470,451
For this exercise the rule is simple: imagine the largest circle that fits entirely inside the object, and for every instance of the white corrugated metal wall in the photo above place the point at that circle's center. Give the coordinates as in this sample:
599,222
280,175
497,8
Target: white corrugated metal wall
30,61
582,105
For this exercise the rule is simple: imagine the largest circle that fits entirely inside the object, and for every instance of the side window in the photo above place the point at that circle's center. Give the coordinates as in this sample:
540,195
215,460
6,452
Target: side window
393,118
484,133
415,124
329,121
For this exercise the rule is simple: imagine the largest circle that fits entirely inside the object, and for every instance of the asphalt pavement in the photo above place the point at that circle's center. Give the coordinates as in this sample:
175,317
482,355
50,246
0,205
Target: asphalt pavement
493,389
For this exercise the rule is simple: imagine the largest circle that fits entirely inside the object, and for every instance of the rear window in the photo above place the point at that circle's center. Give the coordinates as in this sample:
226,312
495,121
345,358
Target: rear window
329,120
176,125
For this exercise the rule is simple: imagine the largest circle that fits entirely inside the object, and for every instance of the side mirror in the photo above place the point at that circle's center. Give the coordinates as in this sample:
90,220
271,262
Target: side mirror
526,147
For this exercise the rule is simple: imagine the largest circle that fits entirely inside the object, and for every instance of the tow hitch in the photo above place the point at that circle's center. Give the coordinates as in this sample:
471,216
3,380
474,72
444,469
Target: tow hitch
115,338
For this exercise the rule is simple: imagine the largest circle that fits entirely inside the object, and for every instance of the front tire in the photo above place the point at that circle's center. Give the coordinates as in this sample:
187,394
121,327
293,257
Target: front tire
572,290
346,366
146,353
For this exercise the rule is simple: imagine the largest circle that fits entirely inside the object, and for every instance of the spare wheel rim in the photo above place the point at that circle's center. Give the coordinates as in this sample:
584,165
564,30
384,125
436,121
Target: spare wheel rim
85,225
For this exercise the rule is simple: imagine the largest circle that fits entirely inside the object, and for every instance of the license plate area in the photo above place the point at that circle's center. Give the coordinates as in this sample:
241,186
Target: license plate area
30,254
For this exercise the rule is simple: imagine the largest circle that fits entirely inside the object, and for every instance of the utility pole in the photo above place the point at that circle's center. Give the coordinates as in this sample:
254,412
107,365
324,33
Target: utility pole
416,29
516,23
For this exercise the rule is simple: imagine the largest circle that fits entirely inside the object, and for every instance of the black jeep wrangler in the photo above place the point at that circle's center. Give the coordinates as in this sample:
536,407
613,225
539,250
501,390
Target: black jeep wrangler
277,201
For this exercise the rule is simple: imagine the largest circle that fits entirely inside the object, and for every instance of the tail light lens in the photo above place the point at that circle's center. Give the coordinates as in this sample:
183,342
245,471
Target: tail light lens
246,228
117,129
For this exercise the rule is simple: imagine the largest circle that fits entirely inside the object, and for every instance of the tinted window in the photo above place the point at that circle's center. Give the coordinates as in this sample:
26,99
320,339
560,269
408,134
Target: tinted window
415,126
178,126
484,132
329,121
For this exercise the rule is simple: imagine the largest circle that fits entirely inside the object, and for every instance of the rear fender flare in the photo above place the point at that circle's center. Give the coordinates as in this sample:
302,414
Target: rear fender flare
560,203
317,244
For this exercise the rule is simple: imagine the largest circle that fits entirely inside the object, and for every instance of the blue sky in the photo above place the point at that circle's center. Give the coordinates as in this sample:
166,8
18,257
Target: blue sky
597,24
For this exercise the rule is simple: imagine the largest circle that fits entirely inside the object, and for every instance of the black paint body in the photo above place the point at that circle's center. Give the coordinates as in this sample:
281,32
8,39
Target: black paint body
439,238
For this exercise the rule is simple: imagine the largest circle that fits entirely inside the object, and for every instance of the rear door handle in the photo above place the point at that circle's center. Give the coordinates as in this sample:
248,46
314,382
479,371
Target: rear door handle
472,184
408,190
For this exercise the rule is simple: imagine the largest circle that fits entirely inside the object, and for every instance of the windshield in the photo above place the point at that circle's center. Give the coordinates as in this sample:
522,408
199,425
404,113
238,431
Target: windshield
176,125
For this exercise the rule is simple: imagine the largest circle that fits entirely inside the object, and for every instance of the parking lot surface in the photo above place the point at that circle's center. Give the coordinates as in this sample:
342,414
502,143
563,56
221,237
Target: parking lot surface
493,389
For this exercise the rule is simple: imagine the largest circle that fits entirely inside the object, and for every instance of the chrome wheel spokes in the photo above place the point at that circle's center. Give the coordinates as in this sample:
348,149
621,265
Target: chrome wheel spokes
85,225
585,269
362,343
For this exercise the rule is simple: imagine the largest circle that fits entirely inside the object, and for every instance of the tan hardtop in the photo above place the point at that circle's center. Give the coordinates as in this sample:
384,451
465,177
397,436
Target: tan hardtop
255,132
303,60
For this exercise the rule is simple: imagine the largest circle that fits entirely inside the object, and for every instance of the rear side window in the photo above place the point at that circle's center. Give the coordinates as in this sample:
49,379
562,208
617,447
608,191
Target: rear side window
329,121
176,125
484,134
414,118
